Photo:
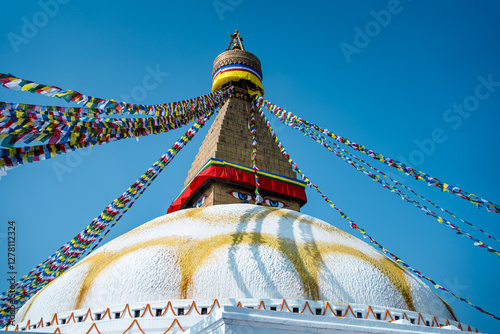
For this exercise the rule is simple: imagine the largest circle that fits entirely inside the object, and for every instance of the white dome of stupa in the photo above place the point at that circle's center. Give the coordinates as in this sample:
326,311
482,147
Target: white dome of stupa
234,251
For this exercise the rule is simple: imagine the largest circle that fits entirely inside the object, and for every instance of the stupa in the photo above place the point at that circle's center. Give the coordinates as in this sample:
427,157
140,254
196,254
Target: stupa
224,260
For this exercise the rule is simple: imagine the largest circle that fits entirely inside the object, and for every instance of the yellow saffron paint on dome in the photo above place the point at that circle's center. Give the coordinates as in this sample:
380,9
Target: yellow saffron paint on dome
195,254
387,267
100,261
192,254
30,302
196,214
297,216
448,307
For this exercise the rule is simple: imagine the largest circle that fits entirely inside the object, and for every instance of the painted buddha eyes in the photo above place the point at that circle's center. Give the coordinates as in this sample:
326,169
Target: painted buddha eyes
247,197
274,204
201,201
241,196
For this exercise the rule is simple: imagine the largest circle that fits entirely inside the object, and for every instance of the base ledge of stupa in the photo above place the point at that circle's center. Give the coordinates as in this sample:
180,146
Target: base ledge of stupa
240,316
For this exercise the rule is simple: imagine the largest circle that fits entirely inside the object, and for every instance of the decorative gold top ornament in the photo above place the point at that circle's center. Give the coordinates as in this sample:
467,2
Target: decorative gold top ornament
237,64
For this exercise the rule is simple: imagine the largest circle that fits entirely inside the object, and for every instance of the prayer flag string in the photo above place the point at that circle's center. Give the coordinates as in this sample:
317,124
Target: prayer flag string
96,106
60,133
321,139
14,83
260,105
334,148
477,200
65,257
253,130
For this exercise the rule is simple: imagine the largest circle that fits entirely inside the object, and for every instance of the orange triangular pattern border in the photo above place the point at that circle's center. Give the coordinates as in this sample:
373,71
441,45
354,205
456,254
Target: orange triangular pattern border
133,322
166,308
195,308
93,326
213,304
171,325
128,310
147,308
307,305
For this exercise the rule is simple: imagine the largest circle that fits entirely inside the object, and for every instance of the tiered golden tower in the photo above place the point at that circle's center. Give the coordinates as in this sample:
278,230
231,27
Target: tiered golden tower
222,171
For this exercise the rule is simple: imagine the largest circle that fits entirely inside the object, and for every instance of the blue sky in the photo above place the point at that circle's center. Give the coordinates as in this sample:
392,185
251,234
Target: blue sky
384,74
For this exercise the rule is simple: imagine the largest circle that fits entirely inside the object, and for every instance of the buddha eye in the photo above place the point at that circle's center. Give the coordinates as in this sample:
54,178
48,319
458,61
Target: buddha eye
241,196
201,201
274,204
